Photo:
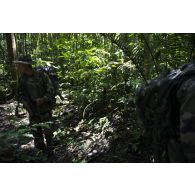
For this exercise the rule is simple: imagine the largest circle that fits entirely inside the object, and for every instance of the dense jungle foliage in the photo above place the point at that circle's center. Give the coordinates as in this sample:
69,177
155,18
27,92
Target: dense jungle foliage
98,75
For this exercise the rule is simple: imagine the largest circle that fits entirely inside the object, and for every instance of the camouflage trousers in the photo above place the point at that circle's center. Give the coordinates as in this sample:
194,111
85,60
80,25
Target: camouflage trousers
42,126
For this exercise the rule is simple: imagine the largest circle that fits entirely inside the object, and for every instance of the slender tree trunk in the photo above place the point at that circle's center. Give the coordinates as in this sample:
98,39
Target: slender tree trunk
149,58
11,53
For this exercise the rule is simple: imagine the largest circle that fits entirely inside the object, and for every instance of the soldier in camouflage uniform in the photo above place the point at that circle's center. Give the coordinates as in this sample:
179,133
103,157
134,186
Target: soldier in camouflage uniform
35,92
183,149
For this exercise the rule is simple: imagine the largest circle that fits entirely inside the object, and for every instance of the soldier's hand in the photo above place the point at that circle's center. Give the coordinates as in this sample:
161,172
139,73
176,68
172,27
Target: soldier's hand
39,101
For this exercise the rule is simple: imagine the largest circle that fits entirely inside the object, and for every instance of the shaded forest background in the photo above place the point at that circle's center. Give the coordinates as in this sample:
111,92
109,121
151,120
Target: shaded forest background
98,75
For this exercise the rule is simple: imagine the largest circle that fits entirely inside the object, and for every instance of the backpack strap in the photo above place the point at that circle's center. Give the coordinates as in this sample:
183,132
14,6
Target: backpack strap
175,105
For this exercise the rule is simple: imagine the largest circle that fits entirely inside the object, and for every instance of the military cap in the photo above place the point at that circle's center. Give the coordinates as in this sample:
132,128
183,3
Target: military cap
24,60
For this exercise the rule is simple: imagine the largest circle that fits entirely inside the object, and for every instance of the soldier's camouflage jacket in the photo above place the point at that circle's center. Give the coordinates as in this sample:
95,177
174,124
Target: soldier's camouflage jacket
186,98
36,86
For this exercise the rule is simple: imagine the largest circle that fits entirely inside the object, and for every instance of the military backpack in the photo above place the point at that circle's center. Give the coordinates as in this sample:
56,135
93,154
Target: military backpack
158,109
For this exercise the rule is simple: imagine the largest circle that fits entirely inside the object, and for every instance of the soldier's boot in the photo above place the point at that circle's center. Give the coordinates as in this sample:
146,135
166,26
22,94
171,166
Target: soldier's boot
39,139
49,140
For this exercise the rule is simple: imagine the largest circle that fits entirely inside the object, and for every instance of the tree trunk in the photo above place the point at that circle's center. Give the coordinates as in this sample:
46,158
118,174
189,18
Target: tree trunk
11,53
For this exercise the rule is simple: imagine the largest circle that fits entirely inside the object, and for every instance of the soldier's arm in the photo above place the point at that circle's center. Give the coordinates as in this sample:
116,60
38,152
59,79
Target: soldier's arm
21,96
187,119
49,93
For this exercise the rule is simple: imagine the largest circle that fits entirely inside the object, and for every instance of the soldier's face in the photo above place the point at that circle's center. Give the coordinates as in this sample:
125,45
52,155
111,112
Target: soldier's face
21,68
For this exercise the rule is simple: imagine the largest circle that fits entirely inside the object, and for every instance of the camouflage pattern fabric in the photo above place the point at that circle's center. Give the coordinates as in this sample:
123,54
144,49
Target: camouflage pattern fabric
186,98
30,88
38,131
53,77
166,107
37,86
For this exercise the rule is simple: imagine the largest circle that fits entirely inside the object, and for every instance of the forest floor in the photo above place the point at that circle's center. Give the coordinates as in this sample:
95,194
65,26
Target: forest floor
105,138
